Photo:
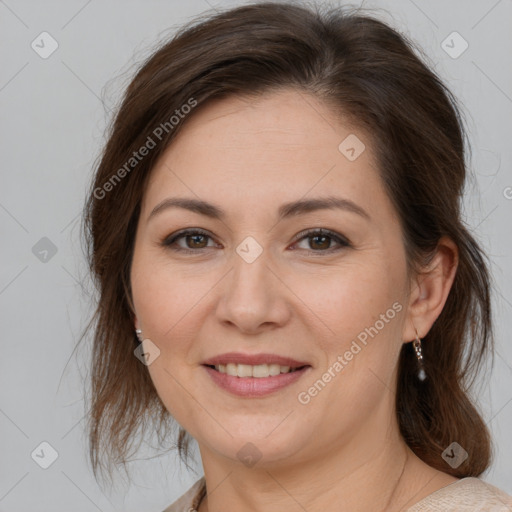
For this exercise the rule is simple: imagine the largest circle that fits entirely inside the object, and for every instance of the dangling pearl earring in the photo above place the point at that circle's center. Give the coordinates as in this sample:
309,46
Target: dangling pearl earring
138,332
419,355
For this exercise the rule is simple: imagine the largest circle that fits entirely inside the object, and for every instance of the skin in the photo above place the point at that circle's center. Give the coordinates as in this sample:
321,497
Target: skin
249,156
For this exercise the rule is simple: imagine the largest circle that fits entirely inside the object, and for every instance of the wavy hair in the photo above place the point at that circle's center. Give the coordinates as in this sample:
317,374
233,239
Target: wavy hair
372,75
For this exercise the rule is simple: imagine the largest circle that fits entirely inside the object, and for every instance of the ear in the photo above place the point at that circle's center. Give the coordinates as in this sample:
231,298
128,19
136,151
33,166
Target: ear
429,290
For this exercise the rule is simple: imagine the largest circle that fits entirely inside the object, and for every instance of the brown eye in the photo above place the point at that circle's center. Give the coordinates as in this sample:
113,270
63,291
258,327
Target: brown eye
320,240
195,240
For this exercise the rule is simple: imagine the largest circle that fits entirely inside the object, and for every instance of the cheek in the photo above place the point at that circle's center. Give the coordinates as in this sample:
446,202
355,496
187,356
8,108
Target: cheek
167,303
345,302
361,318
362,322
338,304
165,296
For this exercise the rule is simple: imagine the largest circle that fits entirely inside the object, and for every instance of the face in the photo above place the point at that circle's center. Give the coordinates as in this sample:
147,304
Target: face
324,287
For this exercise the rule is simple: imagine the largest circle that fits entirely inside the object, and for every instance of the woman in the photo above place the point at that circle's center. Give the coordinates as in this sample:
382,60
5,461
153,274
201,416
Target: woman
277,216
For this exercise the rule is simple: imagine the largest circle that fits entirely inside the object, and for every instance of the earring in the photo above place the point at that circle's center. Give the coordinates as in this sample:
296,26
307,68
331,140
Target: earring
419,355
138,332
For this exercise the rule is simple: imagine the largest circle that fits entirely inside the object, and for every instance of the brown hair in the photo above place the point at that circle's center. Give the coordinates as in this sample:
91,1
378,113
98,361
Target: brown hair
366,71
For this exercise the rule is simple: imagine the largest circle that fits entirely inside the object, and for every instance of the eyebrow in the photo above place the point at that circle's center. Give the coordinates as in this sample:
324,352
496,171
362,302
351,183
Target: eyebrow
285,211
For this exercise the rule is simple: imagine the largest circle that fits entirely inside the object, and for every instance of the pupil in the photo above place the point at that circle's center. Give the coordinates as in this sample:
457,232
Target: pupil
323,237
195,237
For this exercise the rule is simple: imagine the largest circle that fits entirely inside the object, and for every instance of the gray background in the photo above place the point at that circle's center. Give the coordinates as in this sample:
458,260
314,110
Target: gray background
54,112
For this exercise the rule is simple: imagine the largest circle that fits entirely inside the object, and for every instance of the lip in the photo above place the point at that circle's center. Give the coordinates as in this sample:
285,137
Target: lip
254,359
253,387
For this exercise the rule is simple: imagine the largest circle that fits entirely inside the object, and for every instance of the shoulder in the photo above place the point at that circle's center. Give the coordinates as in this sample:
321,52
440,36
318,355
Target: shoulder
189,501
467,494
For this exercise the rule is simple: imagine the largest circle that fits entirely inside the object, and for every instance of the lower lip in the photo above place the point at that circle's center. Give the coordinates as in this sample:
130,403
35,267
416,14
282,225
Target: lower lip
254,386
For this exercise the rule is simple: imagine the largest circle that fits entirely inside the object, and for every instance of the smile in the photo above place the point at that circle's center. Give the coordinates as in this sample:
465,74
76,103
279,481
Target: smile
257,371
256,381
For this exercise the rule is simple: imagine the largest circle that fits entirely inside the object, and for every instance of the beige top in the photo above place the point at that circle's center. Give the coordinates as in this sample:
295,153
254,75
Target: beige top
465,495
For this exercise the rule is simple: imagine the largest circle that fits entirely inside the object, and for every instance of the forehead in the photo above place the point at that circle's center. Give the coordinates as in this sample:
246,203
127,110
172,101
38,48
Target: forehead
278,146
286,120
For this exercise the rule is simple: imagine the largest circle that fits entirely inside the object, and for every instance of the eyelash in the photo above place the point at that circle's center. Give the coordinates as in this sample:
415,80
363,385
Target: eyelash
170,241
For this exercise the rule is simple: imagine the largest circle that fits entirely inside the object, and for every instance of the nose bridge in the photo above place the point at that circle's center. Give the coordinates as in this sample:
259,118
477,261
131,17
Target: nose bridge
250,279
252,295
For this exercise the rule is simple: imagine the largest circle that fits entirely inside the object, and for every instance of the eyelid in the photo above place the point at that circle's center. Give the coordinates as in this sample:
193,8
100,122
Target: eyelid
343,242
171,239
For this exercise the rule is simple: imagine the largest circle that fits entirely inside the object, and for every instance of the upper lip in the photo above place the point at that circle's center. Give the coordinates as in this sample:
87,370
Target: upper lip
253,359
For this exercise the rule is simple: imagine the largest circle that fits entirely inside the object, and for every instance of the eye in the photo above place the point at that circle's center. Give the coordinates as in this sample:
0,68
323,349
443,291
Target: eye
320,240
197,237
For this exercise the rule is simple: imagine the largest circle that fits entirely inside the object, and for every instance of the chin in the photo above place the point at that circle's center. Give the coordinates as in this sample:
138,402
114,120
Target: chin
267,443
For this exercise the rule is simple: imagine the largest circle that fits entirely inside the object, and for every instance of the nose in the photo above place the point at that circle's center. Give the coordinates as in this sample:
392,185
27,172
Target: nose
254,297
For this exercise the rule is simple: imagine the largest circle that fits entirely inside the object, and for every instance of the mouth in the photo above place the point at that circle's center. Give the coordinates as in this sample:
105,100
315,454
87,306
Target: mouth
254,381
252,376
258,371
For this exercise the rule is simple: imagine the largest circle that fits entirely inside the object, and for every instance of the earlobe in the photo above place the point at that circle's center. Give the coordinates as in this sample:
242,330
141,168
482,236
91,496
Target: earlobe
432,288
138,330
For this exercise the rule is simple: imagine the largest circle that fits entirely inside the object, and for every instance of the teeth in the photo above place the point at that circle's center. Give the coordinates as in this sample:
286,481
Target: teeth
247,370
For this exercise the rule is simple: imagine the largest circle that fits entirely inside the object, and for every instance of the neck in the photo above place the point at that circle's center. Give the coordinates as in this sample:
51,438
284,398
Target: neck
373,475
